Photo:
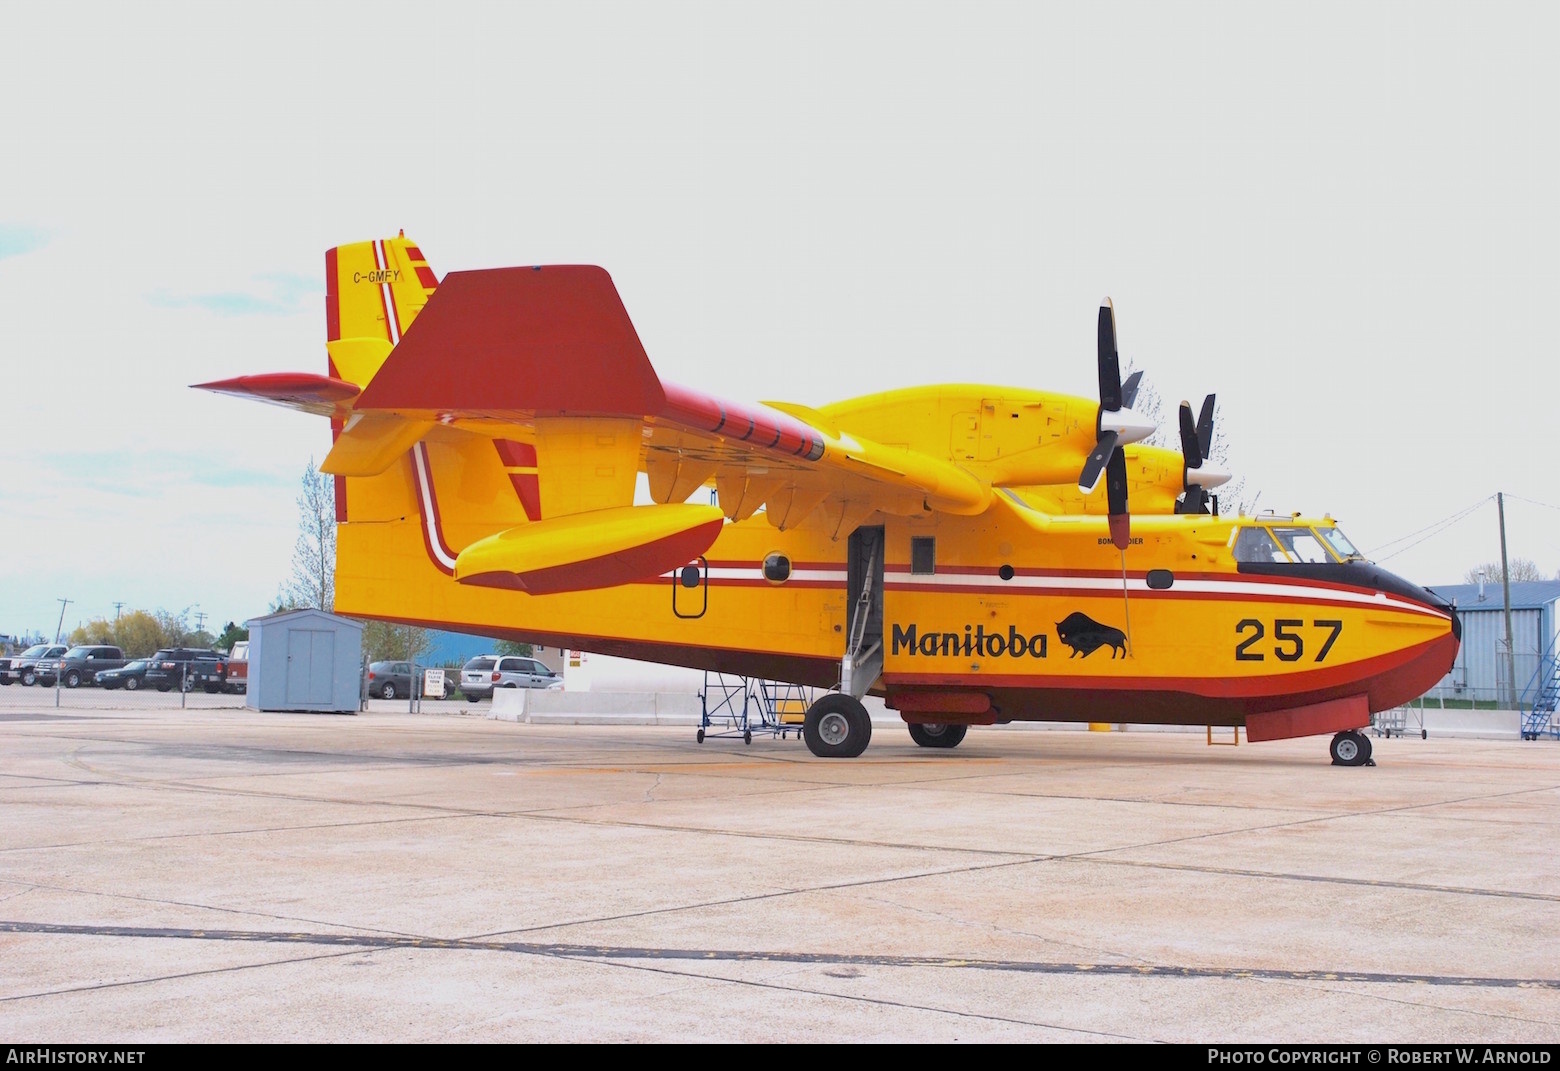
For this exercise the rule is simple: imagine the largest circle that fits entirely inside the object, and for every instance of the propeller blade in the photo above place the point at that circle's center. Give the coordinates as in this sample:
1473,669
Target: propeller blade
1110,364
1094,467
1194,501
1191,448
1205,427
1116,497
1129,389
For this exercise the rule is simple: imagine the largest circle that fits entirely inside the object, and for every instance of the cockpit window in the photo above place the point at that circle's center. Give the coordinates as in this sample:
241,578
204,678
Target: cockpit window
1341,545
1302,545
1256,545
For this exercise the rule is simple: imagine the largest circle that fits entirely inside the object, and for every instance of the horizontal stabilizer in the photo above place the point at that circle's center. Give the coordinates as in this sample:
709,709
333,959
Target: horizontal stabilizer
598,549
312,393
552,339
371,443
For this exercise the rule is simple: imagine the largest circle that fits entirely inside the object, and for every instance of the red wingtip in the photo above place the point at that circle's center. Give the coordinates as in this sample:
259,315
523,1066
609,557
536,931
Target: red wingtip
300,390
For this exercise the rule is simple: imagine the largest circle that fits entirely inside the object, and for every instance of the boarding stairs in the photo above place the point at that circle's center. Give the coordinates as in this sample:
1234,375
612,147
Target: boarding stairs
1540,698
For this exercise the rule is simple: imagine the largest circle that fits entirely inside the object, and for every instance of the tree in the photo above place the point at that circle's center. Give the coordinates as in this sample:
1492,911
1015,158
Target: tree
138,634
313,579
231,634
1519,569
510,647
385,642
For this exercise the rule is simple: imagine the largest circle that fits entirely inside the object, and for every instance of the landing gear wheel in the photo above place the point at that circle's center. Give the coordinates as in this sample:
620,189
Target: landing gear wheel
747,736
837,727
699,736
938,735
1351,748
387,691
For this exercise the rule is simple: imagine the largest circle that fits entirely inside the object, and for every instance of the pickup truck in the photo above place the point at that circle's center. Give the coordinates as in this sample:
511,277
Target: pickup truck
79,665
238,667
24,667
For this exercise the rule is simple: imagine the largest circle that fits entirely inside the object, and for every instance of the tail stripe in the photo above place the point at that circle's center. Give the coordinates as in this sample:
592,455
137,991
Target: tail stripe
428,506
392,320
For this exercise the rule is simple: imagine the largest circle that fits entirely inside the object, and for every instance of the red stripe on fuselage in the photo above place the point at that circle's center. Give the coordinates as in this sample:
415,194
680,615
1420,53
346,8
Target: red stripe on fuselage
1388,680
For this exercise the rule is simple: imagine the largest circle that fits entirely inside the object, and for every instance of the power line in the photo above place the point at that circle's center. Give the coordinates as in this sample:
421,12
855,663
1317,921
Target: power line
1433,529
1531,502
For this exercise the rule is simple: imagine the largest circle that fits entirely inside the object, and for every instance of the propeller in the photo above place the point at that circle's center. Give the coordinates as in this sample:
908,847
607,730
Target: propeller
1196,444
1117,426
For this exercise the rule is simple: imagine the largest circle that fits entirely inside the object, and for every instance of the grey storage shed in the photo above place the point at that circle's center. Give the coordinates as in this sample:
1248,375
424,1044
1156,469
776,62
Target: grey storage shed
305,660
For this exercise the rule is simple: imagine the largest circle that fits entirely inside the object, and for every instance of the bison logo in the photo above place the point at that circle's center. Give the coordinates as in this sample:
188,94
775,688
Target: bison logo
1086,635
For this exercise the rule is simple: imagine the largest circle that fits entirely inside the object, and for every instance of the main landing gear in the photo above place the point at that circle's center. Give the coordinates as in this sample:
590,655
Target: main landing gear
1351,748
938,735
837,727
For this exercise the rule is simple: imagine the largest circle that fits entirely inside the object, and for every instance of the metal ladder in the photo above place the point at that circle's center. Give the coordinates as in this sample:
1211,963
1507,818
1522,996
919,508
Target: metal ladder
1538,719
859,669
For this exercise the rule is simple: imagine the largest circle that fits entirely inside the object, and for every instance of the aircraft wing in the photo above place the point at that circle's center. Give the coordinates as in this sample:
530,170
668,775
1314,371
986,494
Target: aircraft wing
547,358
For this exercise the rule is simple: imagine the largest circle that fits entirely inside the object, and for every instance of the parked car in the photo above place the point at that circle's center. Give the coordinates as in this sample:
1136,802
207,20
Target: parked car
238,667
79,665
484,673
188,668
24,667
129,676
389,680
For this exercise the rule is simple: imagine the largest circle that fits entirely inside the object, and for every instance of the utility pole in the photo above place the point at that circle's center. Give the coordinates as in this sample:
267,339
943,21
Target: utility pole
1505,583
117,605
60,628
200,620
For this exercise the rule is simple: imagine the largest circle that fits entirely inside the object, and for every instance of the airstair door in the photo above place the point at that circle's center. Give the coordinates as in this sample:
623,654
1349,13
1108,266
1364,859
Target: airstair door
863,660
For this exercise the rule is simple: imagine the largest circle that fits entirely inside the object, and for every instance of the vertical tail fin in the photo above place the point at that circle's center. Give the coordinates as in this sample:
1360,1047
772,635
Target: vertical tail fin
373,292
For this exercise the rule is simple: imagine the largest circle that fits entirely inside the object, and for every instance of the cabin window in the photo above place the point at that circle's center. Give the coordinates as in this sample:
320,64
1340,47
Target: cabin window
1341,545
923,555
1256,545
1303,545
777,568
1160,579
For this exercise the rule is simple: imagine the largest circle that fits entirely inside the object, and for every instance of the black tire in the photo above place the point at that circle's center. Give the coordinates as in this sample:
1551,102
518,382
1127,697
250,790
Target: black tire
188,684
747,736
938,735
165,687
73,679
837,727
387,691
132,683
29,678
5,682
699,736
213,689
1350,749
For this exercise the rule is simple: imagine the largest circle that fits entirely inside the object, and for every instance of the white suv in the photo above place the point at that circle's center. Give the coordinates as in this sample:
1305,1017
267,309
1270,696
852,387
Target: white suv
482,674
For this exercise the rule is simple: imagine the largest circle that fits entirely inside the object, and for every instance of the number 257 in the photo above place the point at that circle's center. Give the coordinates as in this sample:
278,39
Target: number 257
1289,642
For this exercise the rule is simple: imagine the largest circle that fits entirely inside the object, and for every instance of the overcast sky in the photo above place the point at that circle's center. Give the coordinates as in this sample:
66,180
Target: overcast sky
1342,218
